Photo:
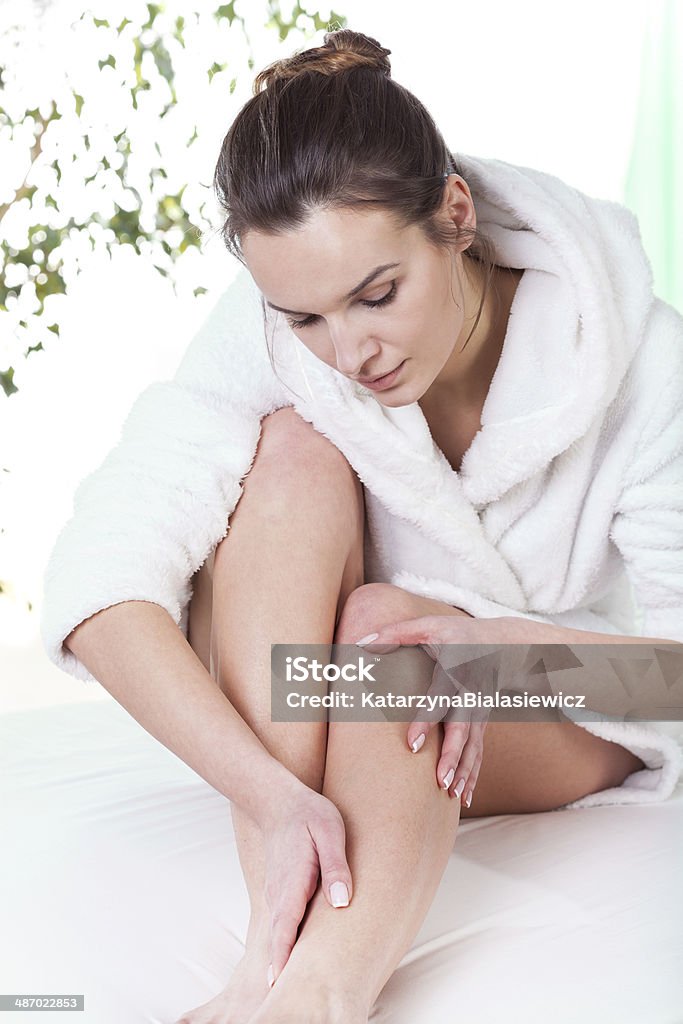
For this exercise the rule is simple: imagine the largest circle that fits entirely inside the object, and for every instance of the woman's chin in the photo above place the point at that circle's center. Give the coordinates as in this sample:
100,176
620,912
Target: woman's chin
397,400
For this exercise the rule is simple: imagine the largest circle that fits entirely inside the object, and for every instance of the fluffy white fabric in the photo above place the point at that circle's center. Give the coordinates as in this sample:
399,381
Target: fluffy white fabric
567,508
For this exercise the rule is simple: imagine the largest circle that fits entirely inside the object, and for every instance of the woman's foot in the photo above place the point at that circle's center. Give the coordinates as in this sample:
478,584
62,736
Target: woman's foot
241,997
301,999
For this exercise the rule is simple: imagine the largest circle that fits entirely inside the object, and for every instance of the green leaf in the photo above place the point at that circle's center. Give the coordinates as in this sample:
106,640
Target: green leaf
79,104
108,63
199,291
334,22
226,11
100,23
178,34
6,382
162,59
152,11
215,68
126,21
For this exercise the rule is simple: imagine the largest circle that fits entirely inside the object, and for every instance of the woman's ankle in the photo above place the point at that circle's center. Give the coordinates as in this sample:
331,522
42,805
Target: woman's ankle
258,932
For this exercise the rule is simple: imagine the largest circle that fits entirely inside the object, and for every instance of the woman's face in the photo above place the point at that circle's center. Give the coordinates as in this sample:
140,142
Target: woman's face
366,297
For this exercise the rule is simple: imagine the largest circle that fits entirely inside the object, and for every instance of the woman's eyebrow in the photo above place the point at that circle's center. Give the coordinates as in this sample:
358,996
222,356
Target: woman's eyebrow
354,291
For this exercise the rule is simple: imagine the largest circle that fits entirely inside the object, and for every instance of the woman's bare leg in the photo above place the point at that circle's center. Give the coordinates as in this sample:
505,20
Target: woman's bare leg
401,828
293,553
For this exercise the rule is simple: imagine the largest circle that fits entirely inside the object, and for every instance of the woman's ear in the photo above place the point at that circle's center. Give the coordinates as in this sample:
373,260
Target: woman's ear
458,208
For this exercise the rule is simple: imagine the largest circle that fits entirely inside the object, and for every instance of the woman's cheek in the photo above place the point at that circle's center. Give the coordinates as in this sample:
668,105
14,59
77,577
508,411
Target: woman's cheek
319,347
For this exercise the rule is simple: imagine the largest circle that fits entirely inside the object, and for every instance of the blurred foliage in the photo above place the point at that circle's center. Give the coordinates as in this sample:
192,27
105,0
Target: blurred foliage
145,211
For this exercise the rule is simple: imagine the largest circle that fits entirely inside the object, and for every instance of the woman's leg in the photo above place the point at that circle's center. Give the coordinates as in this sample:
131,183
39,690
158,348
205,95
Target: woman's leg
401,827
292,555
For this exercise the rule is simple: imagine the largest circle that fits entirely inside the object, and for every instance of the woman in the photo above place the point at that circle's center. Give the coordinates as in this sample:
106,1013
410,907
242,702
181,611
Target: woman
451,435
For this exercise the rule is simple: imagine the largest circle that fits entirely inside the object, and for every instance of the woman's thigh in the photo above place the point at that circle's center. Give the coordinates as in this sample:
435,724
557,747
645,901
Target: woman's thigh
526,766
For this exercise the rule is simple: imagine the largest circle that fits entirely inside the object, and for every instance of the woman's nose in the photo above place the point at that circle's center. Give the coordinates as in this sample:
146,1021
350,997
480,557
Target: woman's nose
352,352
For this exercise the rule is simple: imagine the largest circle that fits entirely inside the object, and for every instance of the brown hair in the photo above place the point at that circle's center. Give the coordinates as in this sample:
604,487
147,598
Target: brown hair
328,127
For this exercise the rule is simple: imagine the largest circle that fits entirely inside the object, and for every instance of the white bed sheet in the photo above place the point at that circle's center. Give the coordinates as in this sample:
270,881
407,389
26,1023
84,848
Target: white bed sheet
119,879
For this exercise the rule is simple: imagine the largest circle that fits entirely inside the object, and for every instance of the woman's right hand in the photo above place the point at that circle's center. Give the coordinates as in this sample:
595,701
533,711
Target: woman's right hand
303,839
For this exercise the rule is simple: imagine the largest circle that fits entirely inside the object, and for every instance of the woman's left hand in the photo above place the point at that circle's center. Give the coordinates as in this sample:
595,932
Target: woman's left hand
458,766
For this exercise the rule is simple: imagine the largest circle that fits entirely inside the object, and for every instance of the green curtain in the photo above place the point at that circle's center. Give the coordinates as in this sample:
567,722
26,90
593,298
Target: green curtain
654,180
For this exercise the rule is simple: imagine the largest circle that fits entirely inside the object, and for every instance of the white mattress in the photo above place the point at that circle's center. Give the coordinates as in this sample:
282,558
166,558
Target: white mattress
119,879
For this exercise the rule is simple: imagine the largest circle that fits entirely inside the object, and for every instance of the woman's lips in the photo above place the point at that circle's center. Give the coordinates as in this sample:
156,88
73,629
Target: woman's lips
384,382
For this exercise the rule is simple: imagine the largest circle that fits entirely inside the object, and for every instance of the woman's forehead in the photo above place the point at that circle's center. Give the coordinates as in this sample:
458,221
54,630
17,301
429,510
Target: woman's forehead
328,229
325,259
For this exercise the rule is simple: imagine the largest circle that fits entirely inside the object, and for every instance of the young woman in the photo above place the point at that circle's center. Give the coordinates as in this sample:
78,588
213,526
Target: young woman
462,425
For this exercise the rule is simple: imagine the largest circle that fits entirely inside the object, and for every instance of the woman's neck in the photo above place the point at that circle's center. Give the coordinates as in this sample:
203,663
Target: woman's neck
467,375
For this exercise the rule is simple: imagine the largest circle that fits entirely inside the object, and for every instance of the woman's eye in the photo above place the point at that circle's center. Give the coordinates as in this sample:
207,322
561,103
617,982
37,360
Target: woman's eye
371,303
374,303
300,323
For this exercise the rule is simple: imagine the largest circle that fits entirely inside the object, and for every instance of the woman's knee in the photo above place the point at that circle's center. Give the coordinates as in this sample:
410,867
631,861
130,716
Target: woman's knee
294,461
288,440
374,605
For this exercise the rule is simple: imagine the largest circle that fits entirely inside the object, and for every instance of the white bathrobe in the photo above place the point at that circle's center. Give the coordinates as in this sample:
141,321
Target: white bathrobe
568,504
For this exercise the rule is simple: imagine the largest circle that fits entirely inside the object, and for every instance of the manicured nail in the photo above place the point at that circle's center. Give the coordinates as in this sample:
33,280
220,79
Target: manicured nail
447,779
417,744
459,788
468,799
271,979
339,894
367,639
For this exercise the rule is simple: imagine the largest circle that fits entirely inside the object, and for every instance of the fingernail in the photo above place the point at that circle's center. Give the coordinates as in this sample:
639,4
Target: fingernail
468,799
417,744
447,779
367,639
271,978
459,788
339,894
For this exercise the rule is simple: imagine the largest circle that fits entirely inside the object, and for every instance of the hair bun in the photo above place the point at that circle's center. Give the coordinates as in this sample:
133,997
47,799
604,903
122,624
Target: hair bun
343,50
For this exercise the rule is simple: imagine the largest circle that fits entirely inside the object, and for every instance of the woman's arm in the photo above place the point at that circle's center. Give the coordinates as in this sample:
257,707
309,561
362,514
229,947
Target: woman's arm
141,657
